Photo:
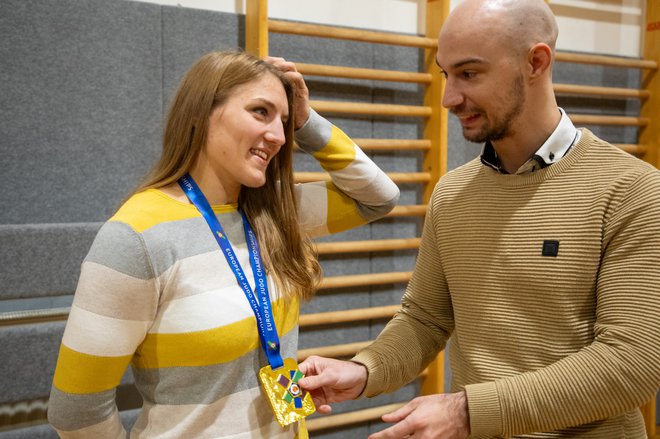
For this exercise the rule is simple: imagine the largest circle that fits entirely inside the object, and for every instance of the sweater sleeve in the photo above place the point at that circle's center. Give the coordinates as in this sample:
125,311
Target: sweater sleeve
412,339
358,192
113,307
620,369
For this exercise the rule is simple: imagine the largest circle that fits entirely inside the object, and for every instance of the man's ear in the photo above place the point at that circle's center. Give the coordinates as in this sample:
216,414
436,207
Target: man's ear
539,60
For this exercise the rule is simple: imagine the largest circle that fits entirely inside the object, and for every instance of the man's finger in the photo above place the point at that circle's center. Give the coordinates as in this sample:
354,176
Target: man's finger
314,382
323,409
399,414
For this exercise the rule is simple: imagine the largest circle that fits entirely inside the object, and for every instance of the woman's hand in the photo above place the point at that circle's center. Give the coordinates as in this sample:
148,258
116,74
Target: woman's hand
300,91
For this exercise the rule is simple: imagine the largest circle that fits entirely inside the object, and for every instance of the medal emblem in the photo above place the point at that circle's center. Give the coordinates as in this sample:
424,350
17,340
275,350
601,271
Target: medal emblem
290,403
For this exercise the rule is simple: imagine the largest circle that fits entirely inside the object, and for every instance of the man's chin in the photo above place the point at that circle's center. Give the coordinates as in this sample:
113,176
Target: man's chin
474,137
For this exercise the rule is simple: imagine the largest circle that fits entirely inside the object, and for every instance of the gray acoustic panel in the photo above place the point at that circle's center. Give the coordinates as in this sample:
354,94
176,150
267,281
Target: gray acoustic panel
26,371
597,75
459,150
80,106
190,33
41,260
45,431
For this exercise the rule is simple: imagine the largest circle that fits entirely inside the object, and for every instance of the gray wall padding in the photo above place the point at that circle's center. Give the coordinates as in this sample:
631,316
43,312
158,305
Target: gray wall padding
36,432
187,34
30,354
586,74
42,259
47,432
80,106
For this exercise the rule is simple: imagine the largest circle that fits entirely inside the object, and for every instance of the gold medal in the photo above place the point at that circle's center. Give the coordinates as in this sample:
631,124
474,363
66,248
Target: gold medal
290,403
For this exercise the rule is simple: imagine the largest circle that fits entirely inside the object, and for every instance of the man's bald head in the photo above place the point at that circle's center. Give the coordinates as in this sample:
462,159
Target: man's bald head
517,24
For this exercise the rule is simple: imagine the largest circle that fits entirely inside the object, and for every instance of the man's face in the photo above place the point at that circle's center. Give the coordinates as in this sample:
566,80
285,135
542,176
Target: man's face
485,87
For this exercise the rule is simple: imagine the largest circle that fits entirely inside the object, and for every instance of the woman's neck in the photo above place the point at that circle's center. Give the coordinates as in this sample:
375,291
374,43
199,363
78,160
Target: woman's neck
213,187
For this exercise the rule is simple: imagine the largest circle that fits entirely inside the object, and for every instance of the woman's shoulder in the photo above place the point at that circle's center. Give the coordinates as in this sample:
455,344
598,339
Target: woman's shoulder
149,208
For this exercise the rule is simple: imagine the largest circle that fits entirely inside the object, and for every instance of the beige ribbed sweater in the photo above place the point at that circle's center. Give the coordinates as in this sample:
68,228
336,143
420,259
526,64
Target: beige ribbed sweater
567,344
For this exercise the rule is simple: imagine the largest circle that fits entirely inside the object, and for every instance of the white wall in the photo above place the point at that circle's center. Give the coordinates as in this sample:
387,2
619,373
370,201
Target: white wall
607,27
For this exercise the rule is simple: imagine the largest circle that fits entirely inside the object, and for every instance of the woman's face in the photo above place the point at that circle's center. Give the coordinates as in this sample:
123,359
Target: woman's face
245,133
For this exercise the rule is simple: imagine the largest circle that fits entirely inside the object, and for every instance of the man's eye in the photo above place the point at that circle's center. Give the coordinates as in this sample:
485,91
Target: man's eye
469,74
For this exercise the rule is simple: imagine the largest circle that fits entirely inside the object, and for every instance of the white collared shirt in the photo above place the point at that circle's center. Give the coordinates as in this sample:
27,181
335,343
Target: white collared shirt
553,149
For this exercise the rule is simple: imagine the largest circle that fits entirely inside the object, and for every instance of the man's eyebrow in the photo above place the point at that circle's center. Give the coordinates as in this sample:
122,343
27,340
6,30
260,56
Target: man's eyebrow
463,62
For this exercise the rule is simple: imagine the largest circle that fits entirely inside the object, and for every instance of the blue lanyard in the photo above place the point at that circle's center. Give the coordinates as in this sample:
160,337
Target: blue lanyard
261,306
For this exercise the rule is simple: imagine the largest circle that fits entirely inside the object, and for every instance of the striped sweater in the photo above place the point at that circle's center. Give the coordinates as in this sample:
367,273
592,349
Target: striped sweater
549,286
155,292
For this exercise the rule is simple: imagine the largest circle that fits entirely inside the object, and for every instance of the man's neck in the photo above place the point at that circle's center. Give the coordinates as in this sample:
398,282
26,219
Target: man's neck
514,150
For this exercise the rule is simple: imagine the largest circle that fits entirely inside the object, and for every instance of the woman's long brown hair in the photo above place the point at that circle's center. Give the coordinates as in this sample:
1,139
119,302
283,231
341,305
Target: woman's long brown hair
288,254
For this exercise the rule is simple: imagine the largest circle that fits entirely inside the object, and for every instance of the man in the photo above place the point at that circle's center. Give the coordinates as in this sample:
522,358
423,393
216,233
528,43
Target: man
541,259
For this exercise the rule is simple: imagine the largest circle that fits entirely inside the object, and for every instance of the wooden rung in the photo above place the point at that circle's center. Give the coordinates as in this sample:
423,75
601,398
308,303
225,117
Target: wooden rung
589,119
355,417
648,410
370,109
633,149
397,177
334,351
341,33
603,60
361,73
369,144
357,280
375,245
351,315
393,144
609,92
410,210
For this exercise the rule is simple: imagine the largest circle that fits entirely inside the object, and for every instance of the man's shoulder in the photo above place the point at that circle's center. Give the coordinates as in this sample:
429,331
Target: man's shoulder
458,180
460,173
606,155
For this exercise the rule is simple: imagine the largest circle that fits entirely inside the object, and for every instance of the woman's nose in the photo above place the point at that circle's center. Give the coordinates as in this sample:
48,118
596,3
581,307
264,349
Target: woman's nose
275,133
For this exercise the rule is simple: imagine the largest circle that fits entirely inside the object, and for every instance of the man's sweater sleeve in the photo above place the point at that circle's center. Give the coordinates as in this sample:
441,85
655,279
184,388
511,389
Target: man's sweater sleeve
420,329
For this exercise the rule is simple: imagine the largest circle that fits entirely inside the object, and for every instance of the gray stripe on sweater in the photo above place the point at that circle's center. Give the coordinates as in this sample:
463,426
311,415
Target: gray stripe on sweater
206,384
315,134
121,248
71,411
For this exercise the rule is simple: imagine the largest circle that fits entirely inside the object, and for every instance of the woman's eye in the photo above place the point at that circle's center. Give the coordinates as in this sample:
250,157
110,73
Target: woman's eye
261,111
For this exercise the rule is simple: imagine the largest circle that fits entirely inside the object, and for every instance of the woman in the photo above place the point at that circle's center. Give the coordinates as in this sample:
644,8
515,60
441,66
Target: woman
169,283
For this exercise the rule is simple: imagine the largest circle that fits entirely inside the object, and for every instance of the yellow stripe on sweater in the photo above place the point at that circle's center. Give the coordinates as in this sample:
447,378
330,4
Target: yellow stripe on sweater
152,207
83,373
339,152
342,211
199,348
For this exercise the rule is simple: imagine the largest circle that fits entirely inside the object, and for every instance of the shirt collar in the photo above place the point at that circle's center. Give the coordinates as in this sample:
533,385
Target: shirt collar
553,149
